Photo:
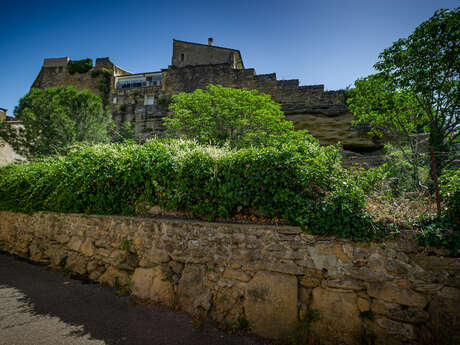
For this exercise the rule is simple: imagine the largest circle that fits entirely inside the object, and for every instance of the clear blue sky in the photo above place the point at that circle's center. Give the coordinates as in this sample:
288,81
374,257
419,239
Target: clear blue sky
319,42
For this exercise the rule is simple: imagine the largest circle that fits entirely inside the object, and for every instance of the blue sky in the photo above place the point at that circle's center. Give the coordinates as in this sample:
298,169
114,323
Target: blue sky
319,42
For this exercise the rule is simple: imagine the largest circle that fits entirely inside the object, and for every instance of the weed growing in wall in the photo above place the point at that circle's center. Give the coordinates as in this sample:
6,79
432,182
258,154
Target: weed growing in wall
80,66
300,182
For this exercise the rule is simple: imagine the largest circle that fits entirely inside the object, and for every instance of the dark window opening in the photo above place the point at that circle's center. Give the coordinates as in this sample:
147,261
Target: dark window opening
182,57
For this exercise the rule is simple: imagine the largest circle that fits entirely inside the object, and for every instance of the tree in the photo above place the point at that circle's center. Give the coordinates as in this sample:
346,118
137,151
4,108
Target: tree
422,69
56,118
220,115
391,114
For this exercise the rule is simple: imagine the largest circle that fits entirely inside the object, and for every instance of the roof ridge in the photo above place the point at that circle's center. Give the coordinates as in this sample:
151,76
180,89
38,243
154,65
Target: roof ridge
206,45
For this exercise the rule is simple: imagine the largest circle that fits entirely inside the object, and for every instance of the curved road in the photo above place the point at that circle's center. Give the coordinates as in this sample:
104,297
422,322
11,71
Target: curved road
39,306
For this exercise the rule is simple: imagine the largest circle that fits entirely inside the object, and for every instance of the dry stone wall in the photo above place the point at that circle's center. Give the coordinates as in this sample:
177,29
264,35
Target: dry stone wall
387,293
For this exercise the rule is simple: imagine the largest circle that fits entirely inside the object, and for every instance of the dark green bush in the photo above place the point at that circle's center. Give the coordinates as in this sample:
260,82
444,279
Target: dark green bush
302,183
80,66
449,184
439,232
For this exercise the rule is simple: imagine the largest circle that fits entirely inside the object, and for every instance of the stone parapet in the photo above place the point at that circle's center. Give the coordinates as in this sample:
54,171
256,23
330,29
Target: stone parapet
272,276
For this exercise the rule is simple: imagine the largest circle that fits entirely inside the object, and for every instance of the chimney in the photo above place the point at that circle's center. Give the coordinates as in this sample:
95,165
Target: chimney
210,41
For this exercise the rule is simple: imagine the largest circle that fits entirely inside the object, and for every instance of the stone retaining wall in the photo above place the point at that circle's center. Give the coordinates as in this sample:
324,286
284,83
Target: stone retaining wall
388,293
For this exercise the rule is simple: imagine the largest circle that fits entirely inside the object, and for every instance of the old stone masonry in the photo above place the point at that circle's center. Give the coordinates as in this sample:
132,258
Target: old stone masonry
272,277
142,98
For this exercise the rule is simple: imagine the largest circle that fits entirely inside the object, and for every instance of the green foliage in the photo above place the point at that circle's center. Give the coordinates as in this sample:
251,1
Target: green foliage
167,276
126,245
80,66
391,114
439,232
300,334
375,100
400,176
368,315
417,87
101,72
126,132
449,185
56,118
220,116
426,65
371,179
242,324
103,87
393,178
301,183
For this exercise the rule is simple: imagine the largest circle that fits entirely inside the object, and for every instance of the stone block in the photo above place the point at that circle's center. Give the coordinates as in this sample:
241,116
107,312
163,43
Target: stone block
326,261
345,284
281,266
76,263
228,306
427,288
403,330
114,277
363,304
191,291
75,243
87,248
236,275
392,293
444,313
62,239
151,283
309,282
398,313
271,304
339,316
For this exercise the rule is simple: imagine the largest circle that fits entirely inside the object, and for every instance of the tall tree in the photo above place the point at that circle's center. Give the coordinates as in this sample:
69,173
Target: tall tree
427,65
391,113
55,118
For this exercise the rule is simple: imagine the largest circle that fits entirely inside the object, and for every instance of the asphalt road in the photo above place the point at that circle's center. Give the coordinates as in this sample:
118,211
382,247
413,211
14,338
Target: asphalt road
40,306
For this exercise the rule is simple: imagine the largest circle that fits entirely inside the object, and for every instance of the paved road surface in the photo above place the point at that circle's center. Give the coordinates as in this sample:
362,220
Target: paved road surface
39,306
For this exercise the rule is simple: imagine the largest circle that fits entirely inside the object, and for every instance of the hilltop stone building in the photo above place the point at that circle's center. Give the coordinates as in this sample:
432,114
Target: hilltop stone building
142,98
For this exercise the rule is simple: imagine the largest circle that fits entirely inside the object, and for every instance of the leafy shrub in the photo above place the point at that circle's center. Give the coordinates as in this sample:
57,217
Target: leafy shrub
220,115
372,179
439,232
80,66
449,184
303,184
396,176
400,171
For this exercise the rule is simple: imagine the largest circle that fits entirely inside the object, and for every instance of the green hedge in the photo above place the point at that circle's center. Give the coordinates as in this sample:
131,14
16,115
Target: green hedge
302,183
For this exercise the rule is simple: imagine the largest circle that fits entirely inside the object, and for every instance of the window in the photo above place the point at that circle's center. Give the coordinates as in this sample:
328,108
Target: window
114,101
130,83
182,57
154,80
149,100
